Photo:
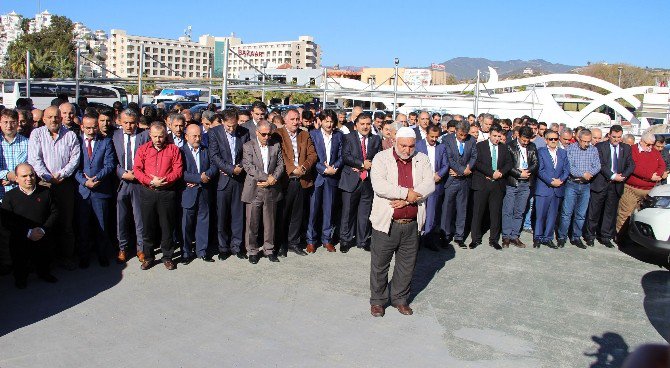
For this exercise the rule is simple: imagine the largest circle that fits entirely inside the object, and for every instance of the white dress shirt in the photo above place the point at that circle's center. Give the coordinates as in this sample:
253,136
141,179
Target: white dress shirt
196,156
554,155
294,143
327,142
431,155
523,158
130,137
265,155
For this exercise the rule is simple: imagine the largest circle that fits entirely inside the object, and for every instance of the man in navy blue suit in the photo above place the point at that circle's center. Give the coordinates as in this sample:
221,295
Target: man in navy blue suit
328,145
198,173
461,156
549,189
126,142
358,149
95,190
225,151
438,161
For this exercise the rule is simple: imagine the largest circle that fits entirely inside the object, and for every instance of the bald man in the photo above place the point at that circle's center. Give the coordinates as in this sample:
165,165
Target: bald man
68,114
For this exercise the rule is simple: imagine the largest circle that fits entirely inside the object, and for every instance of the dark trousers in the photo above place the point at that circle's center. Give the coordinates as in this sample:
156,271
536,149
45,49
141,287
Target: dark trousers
97,210
356,207
24,251
159,209
128,210
491,197
321,201
64,196
195,225
230,214
403,241
292,210
454,209
602,213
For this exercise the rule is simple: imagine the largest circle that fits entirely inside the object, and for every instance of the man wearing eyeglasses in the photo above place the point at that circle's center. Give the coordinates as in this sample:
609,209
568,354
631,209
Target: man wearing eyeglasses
607,187
584,165
649,168
553,171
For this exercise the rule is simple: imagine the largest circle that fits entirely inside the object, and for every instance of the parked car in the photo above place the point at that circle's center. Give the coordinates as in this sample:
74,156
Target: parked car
650,225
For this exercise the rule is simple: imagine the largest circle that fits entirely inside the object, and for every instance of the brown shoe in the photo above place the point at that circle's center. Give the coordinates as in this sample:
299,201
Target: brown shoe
404,309
505,243
147,264
121,258
519,243
169,264
377,310
311,248
140,257
329,247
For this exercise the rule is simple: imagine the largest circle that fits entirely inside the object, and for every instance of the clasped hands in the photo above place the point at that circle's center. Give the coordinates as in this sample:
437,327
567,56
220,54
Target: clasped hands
367,164
269,182
412,197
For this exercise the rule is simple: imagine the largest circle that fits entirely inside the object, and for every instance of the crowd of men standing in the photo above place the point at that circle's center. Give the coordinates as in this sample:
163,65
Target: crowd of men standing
255,184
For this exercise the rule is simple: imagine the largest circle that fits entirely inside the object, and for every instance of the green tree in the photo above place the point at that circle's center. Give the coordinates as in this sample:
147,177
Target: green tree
301,98
52,51
240,97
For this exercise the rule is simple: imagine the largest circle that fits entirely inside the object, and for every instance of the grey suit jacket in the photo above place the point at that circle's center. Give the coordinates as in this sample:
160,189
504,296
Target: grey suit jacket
252,161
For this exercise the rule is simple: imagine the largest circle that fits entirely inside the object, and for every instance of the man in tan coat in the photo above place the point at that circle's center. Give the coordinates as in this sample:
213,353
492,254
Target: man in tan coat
402,179
299,159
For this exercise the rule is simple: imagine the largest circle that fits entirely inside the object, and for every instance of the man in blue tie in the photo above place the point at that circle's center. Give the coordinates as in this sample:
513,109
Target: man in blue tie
461,156
95,190
438,162
198,173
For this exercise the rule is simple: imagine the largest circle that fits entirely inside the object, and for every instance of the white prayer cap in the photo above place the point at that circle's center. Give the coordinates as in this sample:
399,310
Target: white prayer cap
405,132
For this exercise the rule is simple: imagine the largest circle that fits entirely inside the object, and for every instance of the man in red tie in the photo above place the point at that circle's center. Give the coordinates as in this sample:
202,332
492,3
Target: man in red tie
358,149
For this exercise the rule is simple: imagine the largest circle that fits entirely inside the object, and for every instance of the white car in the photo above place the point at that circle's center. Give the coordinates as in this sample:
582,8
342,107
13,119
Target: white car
650,225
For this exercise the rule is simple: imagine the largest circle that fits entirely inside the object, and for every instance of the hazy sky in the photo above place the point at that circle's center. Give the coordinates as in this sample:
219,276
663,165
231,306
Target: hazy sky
419,32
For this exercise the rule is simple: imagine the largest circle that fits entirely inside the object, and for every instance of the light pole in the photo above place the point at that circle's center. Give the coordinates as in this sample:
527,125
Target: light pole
224,79
265,65
617,116
396,61
372,81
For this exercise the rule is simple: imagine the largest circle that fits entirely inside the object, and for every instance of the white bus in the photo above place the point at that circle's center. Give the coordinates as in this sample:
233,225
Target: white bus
42,93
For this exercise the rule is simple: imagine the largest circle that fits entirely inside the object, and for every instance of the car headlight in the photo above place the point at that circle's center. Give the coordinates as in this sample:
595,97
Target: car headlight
655,202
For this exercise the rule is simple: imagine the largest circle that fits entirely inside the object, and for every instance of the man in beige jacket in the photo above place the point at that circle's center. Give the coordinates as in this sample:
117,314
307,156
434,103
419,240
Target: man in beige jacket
401,179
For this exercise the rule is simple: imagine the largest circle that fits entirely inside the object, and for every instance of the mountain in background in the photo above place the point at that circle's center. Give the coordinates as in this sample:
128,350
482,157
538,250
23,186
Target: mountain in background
466,67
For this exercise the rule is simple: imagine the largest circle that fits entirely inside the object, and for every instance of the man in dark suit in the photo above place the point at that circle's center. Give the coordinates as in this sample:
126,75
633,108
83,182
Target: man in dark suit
553,171
617,165
494,161
198,173
460,148
519,182
438,161
258,112
225,150
328,146
299,160
126,142
421,129
94,176
358,149
263,163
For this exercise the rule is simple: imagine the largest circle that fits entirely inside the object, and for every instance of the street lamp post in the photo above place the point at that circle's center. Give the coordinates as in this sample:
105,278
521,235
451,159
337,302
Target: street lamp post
617,116
396,61
265,65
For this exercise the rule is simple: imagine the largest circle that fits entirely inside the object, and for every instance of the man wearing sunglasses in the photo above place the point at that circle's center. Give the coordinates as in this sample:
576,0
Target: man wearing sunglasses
552,173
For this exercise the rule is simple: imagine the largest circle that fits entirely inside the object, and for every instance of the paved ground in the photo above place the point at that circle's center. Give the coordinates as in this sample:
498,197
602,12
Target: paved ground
473,308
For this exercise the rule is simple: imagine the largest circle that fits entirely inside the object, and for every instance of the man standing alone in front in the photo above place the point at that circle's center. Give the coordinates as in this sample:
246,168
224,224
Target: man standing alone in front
401,180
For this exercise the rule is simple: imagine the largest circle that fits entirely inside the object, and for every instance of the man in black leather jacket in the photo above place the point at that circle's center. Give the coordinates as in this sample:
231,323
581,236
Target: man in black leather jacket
519,183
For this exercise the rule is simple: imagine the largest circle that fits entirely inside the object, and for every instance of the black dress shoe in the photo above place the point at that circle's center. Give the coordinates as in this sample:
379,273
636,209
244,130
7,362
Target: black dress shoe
187,260
207,259
103,261
461,244
344,248
495,245
474,244
47,277
607,242
561,243
366,247
536,243
273,258
241,255
281,253
590,242
224,255
84,263
578,243
253,259
551,244
298,251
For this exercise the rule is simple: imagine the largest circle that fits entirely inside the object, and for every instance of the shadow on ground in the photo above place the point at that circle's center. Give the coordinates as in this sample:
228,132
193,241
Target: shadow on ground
20,308
428,264
612,351
656,285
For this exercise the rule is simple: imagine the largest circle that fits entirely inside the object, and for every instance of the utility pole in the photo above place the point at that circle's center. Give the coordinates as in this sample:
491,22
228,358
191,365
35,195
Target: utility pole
76,76
224,80
140,71
27,74
396,61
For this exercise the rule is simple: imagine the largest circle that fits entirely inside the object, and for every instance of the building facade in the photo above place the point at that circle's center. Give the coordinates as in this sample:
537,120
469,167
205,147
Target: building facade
10,30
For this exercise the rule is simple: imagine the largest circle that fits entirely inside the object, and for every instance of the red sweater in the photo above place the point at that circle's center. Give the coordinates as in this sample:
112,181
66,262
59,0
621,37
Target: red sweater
646,164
